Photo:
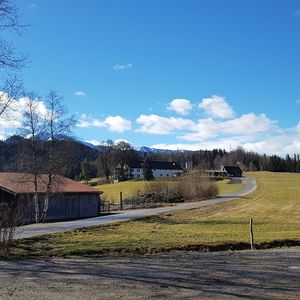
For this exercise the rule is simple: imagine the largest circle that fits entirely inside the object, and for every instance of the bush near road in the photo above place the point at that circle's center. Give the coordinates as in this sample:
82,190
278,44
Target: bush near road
130,187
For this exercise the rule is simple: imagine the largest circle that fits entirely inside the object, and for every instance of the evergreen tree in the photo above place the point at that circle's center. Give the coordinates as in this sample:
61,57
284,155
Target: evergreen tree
84,171
148,174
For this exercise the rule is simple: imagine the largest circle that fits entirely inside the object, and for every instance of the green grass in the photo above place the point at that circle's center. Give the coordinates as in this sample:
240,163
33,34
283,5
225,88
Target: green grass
111,192
128,188
274,207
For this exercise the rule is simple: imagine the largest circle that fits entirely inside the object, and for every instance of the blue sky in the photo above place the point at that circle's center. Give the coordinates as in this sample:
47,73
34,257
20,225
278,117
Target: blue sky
169,73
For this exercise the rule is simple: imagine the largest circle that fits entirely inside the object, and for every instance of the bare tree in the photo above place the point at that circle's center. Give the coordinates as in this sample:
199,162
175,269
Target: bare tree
32,128
57,126
45,124
105,161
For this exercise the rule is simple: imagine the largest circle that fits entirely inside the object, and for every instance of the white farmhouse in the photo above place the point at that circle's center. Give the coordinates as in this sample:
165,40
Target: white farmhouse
159,169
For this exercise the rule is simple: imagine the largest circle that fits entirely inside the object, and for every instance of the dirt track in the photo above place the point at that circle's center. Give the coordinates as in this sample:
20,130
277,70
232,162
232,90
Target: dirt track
177,275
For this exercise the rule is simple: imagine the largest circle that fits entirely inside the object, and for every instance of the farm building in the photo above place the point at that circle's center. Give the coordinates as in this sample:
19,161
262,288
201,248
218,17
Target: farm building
134,170
225,171
232,171
68,200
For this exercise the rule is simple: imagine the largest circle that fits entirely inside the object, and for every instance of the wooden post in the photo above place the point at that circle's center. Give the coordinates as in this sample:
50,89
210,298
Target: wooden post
251,233
121,201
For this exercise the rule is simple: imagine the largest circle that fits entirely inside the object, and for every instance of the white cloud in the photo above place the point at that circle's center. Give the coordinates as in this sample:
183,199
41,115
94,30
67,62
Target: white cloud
117,124
112,123
180,106
155,124
12,119
79,93
119,67
253,132
280,144
217,106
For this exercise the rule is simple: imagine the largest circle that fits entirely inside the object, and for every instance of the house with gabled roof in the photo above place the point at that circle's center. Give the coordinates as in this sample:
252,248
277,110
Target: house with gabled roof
160,169
68,199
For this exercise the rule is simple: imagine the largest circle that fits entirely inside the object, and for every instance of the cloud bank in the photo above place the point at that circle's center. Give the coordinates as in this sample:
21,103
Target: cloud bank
112,123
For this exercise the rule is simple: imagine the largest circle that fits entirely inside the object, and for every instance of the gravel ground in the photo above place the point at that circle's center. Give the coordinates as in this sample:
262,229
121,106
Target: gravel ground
269,274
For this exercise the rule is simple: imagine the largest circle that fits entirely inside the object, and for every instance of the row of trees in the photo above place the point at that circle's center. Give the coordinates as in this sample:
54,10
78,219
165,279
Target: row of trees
118,154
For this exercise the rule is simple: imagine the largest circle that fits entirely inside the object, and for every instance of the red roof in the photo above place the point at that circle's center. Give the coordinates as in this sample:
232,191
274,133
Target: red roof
22,183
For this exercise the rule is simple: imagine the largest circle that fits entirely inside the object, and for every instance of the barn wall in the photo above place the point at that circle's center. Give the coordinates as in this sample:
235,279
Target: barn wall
71,206
65,206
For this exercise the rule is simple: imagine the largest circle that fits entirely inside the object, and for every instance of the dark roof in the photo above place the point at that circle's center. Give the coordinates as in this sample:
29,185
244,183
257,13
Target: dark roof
164,165
22,183
135,165
233,169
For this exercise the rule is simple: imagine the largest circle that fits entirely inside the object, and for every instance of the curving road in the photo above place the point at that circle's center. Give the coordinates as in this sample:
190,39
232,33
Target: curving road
121,216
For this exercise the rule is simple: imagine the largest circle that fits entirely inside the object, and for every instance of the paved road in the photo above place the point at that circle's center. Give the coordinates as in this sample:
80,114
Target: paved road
261,275
39,229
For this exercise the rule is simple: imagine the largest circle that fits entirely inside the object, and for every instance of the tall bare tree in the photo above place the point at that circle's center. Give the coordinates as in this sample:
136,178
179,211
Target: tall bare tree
32,128
106,161
57,126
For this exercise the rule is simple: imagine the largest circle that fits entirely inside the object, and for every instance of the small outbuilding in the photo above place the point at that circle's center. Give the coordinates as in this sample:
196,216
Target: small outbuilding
68,199
232,171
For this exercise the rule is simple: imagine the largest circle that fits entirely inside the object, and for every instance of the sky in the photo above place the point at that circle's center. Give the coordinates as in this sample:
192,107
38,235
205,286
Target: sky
169,74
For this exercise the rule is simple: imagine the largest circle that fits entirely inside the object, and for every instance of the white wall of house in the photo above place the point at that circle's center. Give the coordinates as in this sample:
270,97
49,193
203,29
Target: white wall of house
157,173
137,173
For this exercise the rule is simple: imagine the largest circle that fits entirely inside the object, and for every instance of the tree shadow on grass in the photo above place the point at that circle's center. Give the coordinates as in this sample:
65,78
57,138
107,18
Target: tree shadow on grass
170,220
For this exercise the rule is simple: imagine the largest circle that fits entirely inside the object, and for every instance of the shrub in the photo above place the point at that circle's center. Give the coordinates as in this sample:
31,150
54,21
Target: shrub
193,187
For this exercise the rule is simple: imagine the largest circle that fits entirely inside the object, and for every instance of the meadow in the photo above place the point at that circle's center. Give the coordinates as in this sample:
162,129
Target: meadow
274,207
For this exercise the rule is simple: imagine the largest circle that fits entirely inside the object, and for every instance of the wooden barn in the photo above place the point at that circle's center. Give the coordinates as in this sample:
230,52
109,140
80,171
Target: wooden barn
232,171
68,199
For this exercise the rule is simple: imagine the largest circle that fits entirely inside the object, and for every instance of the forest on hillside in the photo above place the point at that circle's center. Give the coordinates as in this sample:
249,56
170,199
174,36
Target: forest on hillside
15,156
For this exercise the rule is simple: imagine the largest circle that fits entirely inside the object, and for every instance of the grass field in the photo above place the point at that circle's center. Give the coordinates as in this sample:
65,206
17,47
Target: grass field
274,207
128,188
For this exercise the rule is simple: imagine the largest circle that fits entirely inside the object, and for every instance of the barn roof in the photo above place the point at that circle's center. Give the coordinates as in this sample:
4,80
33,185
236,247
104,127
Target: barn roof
233,169
22,183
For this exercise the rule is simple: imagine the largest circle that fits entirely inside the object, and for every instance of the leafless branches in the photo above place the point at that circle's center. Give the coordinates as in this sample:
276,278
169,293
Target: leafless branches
11,215
10,90
9,21
45,124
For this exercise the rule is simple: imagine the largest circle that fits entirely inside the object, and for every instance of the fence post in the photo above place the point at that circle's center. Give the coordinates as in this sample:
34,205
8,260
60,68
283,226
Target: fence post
121,201
251,233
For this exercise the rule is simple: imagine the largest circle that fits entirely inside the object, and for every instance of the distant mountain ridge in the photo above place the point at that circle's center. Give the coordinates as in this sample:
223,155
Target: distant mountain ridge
101,147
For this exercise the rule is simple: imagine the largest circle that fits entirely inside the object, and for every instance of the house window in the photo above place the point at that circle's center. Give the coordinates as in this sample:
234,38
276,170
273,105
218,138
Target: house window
167,175
138,175
138,170
160,175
